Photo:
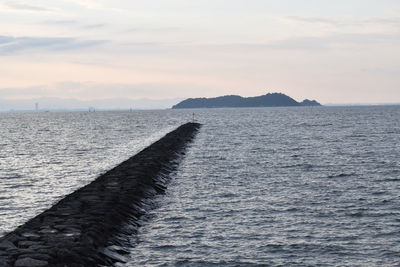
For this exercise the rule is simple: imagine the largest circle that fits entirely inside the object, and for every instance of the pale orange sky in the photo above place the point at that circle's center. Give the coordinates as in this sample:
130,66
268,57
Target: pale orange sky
344,51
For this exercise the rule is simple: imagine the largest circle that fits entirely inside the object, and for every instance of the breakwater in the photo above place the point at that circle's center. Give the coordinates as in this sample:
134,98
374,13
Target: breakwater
91,227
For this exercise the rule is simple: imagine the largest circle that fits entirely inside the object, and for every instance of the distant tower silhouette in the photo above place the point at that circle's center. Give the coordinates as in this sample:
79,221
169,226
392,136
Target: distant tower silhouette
37,106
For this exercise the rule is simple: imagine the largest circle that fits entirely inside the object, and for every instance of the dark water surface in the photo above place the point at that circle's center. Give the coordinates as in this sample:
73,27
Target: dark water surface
268,186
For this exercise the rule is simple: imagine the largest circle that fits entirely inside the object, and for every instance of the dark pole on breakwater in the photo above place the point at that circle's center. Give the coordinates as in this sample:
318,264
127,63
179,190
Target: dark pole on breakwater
91,226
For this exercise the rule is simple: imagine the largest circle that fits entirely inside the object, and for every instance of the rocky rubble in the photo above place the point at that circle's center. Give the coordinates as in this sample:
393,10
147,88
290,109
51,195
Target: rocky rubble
90,227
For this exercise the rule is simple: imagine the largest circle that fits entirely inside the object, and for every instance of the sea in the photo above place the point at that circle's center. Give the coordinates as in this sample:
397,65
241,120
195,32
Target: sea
298,186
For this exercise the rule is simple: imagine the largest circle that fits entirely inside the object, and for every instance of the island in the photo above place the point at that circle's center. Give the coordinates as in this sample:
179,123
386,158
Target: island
235,101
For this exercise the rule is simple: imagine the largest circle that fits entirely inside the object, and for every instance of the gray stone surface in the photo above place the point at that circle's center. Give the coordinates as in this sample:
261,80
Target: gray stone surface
28,243
5,244
3,262
29,262
36,256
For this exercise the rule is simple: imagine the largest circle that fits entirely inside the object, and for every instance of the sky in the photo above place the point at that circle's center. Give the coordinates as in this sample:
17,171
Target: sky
342,51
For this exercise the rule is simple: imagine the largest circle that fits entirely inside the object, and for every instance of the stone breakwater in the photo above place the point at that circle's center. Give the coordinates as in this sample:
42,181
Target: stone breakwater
93,225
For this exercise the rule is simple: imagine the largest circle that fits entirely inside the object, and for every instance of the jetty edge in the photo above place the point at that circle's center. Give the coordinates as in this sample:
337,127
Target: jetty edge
93,226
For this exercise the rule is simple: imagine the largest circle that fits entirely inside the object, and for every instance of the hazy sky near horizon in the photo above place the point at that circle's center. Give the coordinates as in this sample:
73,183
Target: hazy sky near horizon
342,51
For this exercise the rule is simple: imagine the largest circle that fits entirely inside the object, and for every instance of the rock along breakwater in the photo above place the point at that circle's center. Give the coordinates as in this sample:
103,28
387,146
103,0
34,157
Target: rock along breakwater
93,225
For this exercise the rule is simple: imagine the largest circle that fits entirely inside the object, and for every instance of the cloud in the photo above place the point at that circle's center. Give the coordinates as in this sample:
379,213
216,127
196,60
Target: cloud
11,45
391,21
88,3
33,91
312,20
22,6
61,22
345,22
95,4
313,43
154,29
330,41
94,26
94,90
74,24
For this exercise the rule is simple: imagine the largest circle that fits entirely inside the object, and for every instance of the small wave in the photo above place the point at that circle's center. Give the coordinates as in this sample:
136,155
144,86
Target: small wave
167,247
16,186
356,214
292,209
314,125
11,176
387,234
315,247
227,195
356,136
202,263
304,166
342,175
377,193
175,218
391,180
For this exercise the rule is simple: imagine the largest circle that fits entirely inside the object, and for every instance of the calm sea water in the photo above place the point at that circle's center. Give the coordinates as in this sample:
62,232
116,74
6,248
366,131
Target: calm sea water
267,186
44,156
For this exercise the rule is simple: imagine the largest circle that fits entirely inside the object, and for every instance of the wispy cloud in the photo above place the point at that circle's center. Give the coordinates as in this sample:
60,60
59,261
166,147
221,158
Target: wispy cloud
61,22
93,90
154,29
11,45
94,26
345,22
21,6
88,3
394,20
313,43
331,41
95,4
74,24
312,20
